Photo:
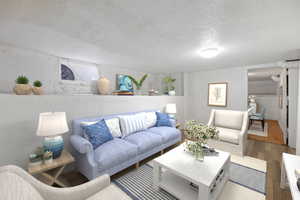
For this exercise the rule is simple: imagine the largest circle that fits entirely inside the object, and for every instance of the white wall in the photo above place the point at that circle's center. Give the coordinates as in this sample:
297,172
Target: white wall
262,87
196,91
271,104
19,115
46,68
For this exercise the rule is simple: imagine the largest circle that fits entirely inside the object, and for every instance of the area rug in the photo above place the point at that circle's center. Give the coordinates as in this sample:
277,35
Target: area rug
244,181
256,129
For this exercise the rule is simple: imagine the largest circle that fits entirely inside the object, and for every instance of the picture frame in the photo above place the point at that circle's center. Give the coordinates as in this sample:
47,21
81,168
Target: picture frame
217,94
124,83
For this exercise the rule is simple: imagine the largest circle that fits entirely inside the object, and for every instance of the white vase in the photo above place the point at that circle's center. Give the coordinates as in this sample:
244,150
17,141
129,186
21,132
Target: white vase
103,85
172,93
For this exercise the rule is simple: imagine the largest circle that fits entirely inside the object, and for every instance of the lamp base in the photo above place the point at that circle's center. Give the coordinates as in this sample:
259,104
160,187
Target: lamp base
54,144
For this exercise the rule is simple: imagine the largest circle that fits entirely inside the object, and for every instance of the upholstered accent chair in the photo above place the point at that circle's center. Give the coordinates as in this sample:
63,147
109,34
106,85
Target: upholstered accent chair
16,184
232,126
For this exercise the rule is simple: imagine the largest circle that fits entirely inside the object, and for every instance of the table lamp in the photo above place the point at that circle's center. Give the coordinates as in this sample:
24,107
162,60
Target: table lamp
51,126
171,109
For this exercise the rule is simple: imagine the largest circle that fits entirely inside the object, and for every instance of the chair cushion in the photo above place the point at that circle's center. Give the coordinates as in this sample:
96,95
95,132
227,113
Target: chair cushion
97,133
111,192
14,187
163,119
167,133
229,135
229,119
144,140
114,152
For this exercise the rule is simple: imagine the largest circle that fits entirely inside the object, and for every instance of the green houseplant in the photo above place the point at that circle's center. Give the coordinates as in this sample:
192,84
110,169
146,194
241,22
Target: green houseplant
22,86
197,135
169,85
138,83
37,88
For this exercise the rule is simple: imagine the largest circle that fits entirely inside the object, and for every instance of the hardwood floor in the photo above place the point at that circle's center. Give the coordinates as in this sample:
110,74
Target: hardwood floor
275,134
271,152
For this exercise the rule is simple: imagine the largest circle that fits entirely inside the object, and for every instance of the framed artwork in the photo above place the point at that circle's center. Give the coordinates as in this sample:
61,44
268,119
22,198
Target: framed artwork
217,94
124,83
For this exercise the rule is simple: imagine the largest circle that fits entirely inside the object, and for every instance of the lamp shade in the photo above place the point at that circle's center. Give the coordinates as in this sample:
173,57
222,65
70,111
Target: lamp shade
52,124
171,108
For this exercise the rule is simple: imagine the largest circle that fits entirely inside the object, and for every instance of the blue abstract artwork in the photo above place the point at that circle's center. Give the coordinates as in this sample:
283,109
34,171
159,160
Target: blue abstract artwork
124,83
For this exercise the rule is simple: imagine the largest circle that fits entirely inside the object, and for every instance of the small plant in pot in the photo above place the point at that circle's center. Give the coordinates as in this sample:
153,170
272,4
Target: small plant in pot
48,157
22,86
169,87
138,83
37,88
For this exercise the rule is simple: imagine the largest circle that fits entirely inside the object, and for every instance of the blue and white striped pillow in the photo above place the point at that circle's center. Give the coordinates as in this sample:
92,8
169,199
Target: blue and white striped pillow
132,123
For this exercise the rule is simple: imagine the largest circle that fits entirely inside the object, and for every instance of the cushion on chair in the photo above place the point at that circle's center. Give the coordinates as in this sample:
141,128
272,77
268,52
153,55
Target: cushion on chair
111,192
14,187
229,119
167,133
229,135
114,152
144,140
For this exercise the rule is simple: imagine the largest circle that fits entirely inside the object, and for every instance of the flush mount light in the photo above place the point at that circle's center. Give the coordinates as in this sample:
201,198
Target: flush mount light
210,52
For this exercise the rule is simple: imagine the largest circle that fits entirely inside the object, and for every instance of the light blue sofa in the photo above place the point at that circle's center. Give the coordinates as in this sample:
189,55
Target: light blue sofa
119,153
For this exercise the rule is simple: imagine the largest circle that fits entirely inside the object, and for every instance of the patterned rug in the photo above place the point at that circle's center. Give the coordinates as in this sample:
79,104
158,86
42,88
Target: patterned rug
256,129
138,183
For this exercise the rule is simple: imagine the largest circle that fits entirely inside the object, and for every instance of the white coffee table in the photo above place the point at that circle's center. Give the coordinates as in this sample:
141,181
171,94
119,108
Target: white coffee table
177,169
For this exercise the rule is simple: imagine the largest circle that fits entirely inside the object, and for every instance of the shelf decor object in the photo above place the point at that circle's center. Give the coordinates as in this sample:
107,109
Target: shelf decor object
52,126
197,135
37,88
138,83
217,94
22,86
103,86
171,110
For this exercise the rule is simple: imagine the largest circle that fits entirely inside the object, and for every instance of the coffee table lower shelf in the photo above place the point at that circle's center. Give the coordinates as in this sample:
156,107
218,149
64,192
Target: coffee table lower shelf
182,189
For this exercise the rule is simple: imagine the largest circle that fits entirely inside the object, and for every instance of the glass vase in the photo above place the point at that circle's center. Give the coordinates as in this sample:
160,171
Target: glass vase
199,155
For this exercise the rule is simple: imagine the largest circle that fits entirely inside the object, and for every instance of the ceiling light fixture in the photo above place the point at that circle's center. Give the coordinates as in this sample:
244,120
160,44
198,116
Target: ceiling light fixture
210,52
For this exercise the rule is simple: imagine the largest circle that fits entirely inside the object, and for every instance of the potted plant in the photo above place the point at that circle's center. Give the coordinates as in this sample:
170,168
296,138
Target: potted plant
37,88
48,157
197,135
22,87
138,83
169,87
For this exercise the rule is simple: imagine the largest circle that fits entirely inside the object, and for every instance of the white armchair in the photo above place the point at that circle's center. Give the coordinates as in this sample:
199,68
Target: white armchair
17,184
232,126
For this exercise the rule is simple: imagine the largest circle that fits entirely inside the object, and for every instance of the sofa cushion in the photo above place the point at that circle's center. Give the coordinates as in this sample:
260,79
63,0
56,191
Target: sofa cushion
132,123
150,119
167,133
163,119
114,152
229,119
144,140
111,192
114,126
97,133
15,187
229,135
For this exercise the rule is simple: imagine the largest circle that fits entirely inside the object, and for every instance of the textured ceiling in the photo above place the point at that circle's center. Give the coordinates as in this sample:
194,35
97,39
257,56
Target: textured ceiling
160,35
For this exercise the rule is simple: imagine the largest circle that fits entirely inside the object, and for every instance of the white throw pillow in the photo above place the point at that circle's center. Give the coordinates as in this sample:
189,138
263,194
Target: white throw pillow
150,119
132,123
114,127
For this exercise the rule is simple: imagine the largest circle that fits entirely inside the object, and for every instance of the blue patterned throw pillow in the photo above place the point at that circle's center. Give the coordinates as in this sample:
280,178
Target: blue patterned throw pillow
97,133
163,119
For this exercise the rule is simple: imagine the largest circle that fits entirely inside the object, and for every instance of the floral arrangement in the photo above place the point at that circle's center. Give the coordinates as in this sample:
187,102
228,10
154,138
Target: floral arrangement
197,135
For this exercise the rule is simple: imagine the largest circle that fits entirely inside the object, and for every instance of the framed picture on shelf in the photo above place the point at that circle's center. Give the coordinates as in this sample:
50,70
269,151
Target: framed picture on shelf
217,94
124,83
